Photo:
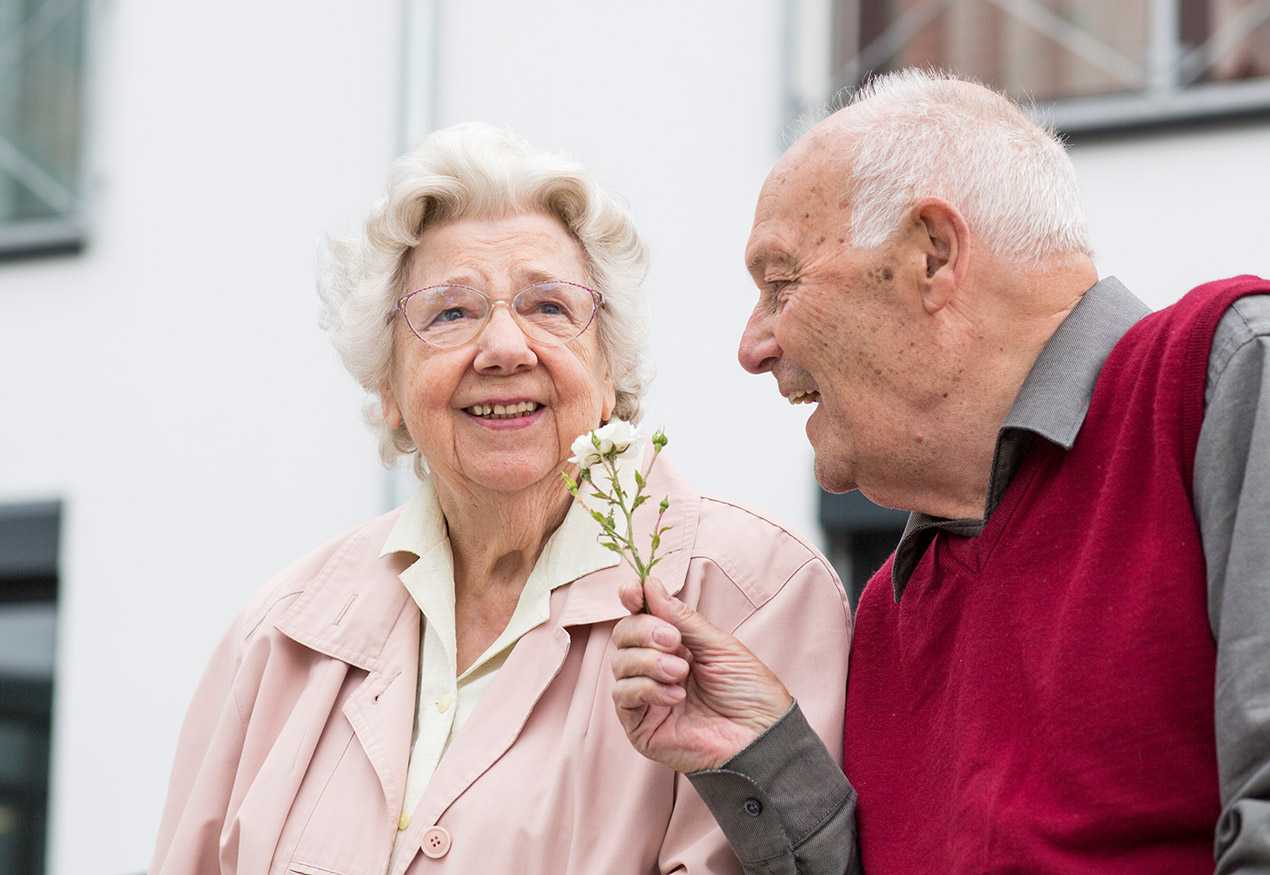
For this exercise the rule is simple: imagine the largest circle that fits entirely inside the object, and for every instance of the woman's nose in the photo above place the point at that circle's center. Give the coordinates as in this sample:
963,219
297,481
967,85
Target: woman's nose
502,344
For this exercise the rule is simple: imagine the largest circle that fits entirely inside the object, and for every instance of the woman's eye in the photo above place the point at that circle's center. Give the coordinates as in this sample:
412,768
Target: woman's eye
451,314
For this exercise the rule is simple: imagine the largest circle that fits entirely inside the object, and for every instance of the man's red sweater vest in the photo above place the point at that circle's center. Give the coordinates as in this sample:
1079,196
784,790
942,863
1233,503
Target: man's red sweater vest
1041,698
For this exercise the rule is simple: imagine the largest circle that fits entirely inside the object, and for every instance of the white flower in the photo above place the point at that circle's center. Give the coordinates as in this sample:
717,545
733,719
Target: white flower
610,458
619,434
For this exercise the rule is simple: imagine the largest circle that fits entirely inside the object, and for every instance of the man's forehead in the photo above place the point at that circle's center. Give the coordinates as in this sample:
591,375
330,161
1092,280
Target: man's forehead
804,187
811,166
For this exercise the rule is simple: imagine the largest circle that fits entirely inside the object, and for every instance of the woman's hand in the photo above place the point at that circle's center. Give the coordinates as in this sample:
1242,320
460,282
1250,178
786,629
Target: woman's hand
689,695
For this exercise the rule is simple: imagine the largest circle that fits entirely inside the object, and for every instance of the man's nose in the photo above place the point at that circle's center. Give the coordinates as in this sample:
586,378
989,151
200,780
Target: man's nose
759,350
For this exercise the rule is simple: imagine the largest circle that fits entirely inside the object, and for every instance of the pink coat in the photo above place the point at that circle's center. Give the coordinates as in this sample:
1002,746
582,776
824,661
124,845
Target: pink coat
294,752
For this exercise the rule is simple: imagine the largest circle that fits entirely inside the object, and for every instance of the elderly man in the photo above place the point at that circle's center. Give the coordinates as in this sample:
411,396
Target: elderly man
1065,666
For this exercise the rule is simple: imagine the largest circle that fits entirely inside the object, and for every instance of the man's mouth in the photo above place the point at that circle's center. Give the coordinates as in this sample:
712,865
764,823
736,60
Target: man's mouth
802,396
503,411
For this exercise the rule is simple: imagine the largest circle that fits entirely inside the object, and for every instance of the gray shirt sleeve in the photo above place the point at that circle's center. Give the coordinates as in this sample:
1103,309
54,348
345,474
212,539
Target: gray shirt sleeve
784,804
1232,506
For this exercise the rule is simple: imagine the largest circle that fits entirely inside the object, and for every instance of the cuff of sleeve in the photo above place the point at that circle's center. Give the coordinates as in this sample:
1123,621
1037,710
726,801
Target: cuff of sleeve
788,763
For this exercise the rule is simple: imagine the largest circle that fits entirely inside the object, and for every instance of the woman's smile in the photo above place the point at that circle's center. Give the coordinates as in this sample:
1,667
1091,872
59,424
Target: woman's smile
506,417
514,410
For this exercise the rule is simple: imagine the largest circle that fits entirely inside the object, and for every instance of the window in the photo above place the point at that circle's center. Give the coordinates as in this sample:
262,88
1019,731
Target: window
1099,64
860,535
28,615
41,124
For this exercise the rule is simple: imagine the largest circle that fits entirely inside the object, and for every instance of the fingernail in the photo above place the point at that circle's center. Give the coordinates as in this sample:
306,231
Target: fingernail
664,635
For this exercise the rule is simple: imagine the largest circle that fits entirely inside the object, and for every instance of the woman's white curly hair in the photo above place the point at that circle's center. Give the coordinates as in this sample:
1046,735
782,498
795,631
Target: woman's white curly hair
479,171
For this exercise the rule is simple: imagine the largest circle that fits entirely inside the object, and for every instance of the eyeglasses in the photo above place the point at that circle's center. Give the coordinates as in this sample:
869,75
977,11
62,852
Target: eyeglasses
550,313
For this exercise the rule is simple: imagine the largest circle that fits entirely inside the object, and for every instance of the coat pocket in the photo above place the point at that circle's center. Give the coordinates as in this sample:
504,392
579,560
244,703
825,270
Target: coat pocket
297,868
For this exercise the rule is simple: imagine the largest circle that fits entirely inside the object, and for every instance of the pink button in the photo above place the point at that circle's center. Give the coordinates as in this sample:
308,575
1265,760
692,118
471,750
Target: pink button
436,842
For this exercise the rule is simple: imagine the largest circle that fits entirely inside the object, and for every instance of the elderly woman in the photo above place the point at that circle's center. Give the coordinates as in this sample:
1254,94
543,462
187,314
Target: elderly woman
432,690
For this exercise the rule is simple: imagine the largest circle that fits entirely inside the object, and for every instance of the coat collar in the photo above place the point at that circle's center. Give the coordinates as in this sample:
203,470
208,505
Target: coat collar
356,609
537,659
593,599
348,608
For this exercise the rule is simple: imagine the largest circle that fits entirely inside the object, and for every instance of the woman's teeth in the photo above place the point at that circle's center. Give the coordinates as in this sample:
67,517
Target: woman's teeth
802,397
503,411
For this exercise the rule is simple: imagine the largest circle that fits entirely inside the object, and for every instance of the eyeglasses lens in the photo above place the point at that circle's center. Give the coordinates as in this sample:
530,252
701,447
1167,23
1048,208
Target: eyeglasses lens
548,312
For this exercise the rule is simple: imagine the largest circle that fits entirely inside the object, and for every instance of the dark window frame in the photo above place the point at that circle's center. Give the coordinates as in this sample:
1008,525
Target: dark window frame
30,545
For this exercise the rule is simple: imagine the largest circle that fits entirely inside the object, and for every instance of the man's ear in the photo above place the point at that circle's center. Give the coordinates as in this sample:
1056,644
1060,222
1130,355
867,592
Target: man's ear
943,237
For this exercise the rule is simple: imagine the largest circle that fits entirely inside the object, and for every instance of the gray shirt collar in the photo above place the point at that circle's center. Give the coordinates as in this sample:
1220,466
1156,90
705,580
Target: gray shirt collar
1052,403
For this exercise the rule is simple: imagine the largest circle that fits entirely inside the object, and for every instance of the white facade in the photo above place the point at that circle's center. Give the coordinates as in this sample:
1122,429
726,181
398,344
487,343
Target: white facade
170,386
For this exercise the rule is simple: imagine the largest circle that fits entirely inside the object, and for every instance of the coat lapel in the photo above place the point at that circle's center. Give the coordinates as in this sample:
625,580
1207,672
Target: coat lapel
540,654
356,610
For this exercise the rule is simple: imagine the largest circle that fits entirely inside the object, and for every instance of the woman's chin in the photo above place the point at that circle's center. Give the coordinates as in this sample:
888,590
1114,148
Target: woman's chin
515,476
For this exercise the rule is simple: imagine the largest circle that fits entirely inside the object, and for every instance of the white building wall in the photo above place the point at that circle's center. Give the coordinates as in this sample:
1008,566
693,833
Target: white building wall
169,383
1170,211
676,107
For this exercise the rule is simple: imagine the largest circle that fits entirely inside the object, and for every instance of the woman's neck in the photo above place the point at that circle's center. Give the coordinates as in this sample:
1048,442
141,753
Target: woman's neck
496,537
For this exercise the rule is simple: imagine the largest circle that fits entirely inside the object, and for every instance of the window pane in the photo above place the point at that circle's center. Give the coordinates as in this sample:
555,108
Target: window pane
1044,48
29,537
41,94
1137,57
1238,40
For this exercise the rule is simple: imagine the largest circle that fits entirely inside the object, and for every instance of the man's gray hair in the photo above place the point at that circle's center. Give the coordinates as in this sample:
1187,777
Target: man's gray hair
476,171
916,133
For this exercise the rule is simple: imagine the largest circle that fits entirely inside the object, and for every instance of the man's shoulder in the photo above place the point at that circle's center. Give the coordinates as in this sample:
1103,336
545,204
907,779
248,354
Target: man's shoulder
1212,301
1206,319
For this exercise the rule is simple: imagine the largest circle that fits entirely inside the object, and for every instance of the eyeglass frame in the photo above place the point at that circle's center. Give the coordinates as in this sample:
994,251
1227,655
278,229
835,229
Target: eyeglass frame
597,301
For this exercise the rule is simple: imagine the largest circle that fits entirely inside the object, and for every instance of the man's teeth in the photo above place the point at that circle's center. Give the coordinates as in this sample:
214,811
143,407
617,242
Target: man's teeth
803,397
501,411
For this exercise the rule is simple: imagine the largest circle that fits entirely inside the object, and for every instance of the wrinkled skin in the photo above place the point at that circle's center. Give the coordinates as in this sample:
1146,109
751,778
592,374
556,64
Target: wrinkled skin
689,695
